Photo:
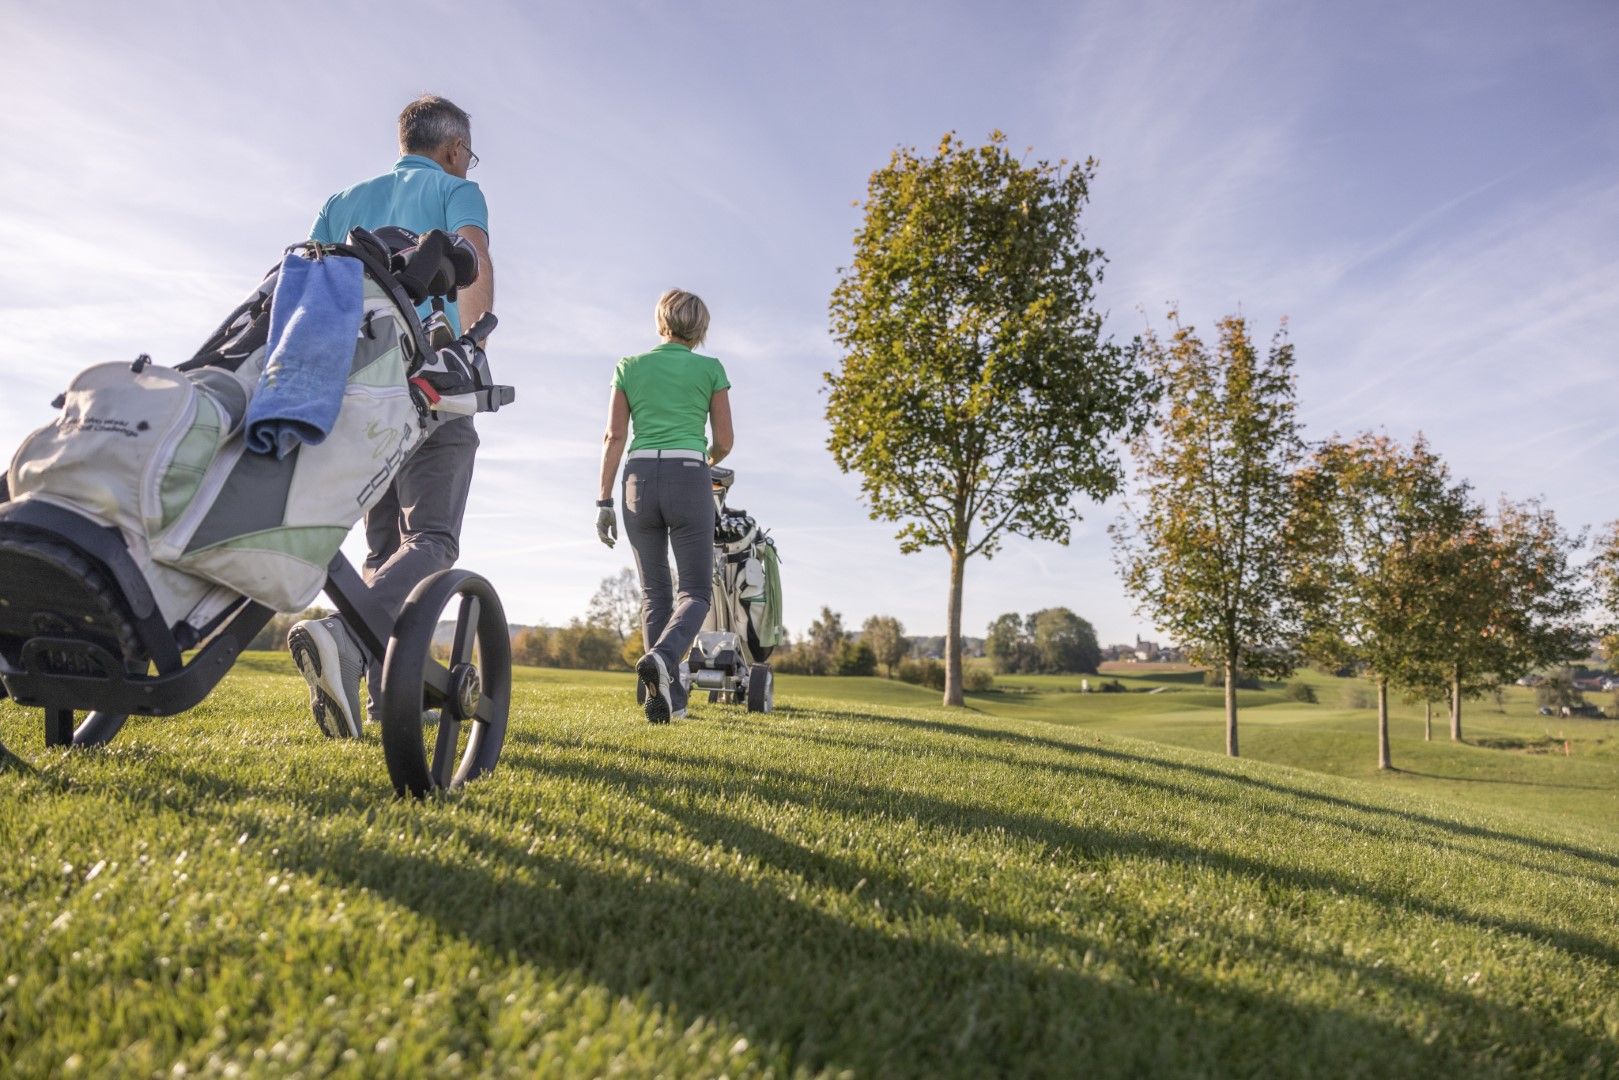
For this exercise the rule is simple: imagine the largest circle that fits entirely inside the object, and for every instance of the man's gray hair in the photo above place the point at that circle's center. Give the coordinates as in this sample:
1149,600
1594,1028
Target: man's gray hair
431,121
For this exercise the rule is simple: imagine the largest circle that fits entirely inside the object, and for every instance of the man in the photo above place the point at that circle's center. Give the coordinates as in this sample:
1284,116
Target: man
414,531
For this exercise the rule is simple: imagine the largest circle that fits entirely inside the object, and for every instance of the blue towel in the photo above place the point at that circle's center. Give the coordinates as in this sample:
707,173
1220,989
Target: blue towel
314,320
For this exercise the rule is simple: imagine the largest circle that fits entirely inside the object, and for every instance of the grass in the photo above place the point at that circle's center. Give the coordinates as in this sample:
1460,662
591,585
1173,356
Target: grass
837,888
1511,758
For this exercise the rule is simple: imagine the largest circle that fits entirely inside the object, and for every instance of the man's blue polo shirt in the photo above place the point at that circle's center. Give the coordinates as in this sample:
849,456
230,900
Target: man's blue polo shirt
417,195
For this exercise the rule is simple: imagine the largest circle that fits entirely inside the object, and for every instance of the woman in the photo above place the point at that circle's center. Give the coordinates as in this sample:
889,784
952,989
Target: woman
670,395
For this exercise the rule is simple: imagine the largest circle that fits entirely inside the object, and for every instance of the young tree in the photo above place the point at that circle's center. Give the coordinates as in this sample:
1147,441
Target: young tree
1465,593
1206,556
1503,600
1361,510
617,605
886,636
977,396
1605,585
1424,683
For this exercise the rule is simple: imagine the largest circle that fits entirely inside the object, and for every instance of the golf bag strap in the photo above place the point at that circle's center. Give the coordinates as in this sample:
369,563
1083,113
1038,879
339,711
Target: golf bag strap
257,308
383,274
242,339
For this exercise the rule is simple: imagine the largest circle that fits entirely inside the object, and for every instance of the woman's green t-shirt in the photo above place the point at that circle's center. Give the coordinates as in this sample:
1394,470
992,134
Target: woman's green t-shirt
669,390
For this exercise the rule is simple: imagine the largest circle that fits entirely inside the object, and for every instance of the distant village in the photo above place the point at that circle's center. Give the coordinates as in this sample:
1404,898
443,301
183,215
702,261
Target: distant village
1144,652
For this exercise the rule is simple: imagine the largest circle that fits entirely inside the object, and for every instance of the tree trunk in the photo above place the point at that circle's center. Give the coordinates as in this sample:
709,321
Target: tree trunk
952,630
1383,759
1456,703
1427,721
1231,708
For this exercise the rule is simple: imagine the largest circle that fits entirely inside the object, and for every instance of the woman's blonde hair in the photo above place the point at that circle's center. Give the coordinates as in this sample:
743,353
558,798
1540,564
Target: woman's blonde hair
683,315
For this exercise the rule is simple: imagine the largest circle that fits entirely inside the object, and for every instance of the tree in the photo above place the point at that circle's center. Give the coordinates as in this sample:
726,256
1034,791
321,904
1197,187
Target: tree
1006,646
585,645
823,643
1463,597
533,646
886,636
856,658
789,658
1605,585
1206,556
1362,509
631,651
977,396
1558,692
1503,599
1051,641
617,604
1063,643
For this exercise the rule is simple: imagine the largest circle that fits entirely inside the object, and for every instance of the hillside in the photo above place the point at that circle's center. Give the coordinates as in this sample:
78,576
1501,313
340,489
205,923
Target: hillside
873,889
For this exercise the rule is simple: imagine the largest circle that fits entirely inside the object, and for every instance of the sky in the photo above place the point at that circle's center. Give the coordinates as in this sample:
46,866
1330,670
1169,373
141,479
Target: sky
1428,193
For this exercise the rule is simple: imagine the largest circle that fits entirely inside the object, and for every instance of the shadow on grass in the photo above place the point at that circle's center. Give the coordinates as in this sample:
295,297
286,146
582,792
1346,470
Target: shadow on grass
823,990
1501,780
863,801
876,992
1378,823
11,763
1234,776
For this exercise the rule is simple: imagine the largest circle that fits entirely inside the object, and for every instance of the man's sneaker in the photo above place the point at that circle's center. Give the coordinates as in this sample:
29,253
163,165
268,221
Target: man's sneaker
654,677
332,663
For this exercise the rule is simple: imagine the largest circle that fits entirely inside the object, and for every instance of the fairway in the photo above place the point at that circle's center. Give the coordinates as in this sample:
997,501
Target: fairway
1565,769
881,889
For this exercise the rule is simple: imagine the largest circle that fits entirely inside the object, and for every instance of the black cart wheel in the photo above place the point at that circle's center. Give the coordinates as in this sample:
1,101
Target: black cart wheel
761,689
460,706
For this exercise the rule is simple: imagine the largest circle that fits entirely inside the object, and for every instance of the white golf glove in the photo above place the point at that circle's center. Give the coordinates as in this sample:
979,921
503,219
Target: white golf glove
606,525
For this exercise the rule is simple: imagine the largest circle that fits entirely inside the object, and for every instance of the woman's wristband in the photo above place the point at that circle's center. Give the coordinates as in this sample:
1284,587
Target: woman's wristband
604,504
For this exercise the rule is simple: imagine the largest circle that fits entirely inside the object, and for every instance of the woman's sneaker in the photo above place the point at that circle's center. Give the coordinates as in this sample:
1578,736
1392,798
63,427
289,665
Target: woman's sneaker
654,677
332,663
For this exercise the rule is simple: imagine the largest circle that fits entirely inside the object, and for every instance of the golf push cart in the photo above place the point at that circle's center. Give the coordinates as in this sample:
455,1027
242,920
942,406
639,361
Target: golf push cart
744,619
144,542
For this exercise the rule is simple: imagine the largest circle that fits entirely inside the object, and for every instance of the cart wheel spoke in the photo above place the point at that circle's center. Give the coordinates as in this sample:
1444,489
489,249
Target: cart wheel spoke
445,759
466,630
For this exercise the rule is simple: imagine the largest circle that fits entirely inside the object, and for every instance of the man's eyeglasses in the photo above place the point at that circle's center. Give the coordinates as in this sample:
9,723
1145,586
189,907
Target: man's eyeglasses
472,159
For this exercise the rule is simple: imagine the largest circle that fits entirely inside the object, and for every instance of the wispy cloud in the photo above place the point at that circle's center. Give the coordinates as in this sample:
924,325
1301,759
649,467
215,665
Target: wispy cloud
1428,195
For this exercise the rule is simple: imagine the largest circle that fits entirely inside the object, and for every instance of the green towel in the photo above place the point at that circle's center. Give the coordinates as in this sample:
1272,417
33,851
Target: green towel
770,631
